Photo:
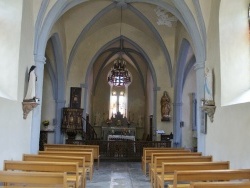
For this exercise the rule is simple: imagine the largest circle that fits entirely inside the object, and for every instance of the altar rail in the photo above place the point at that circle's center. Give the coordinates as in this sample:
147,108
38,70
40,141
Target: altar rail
121,150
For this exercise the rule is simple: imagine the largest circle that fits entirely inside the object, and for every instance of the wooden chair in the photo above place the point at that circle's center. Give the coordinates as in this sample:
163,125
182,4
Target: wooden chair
74,178
33,179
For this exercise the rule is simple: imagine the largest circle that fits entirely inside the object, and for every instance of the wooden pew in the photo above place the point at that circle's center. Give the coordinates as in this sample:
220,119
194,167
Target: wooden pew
220,185
153,155
89,160
33,179
208,175
147,157
95,148
49,158
156,169
157,149
74,178
167,171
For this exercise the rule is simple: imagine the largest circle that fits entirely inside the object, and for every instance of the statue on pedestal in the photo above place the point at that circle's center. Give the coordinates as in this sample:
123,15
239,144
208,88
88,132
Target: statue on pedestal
165,107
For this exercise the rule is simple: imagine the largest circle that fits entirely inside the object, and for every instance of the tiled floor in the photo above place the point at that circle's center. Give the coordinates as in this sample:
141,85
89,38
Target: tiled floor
119,175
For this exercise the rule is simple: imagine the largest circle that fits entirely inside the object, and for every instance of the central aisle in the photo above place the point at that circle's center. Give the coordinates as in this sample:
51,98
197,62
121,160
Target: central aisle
119,175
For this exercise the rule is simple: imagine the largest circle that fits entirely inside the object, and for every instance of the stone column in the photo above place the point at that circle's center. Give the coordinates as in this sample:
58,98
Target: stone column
199,68
36,117
155,104
58,136
176,121
85,102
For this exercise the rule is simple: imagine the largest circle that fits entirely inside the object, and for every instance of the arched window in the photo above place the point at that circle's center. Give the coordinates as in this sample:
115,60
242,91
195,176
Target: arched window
118,101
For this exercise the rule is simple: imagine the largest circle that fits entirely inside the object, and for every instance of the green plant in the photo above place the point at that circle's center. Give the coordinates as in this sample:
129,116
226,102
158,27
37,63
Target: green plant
45,122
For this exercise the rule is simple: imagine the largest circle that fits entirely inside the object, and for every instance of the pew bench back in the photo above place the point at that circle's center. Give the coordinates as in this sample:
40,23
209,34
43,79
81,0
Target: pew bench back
49,158
89,160
156,168
210,175
220,185
74,176
169,168
153,155
96,149
33,179
147,157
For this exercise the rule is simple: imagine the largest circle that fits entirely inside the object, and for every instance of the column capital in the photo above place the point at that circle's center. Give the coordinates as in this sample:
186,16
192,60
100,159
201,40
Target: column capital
199,65
40,58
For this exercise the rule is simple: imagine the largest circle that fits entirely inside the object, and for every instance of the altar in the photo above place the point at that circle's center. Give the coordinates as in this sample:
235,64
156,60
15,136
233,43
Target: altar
119,125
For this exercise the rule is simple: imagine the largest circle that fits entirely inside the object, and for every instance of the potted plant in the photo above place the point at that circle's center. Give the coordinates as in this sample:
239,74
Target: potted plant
45,123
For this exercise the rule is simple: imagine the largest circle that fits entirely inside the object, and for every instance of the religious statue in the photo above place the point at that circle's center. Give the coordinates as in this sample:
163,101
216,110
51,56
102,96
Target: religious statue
31,93
208,104
165,107
208,86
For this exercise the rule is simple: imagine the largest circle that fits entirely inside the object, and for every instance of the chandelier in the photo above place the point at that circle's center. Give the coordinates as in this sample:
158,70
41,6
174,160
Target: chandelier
119,75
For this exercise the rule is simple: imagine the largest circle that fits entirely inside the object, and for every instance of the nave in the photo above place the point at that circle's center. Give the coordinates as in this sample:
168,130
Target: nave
119,175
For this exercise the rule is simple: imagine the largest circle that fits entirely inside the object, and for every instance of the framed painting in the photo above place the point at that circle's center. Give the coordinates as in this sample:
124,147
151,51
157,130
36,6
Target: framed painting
75,97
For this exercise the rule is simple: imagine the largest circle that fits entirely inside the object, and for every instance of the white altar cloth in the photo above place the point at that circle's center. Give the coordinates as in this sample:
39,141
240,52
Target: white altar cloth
120,137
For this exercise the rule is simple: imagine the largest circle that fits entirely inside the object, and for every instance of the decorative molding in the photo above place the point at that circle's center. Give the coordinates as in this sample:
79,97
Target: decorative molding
27,107
165,18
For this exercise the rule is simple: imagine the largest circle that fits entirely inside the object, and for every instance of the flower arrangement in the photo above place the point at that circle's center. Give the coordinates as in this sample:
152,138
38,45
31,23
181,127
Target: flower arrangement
45,122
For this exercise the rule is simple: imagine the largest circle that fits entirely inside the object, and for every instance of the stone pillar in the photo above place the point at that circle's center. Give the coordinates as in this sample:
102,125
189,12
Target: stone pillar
177,140
199,68
85,102
36,118
58,136
155,104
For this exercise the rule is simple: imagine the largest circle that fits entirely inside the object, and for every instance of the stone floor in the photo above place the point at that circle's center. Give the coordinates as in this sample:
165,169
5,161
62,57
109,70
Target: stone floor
119,175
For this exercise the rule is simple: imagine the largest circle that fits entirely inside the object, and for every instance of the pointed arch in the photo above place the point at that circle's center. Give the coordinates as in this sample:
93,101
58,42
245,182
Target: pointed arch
178,90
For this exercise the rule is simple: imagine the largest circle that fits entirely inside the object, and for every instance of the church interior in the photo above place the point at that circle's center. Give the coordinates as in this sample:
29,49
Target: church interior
168,72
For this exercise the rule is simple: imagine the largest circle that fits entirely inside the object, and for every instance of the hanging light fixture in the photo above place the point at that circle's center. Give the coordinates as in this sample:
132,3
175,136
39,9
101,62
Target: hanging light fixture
119,75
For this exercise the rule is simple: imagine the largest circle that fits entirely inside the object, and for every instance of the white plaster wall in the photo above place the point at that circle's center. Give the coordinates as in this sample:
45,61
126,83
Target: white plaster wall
15,132
227,137
10,35
235,54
